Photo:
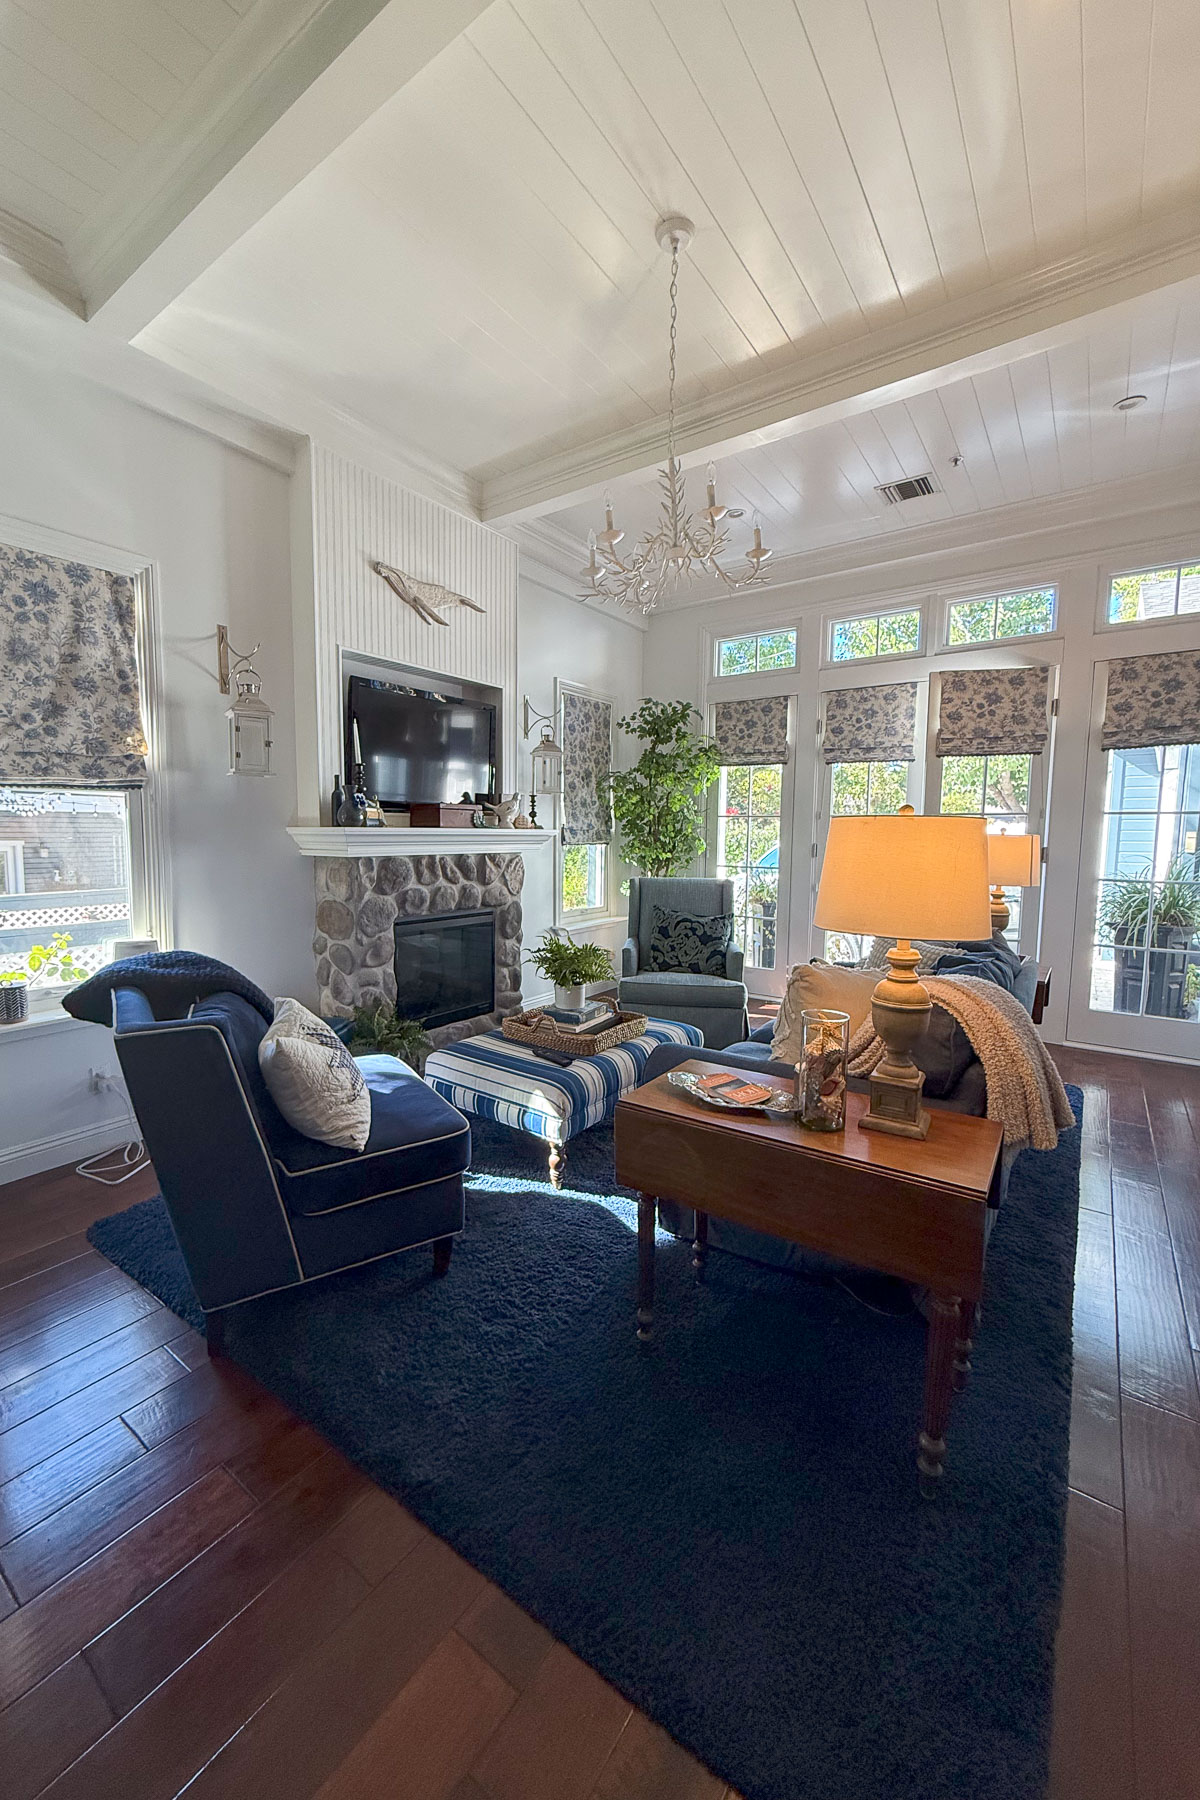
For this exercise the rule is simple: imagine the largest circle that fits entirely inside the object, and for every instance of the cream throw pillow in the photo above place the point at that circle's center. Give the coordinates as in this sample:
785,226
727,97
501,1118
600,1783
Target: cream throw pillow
820,985
313,1079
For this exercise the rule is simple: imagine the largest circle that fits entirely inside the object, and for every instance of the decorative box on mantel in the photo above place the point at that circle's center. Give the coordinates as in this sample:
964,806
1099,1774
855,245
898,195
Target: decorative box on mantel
363,886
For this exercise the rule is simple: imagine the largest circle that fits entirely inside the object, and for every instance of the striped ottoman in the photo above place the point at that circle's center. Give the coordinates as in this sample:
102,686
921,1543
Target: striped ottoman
491,1077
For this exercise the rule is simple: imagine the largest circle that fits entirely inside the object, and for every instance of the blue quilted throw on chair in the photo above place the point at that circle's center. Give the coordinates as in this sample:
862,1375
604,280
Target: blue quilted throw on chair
170,979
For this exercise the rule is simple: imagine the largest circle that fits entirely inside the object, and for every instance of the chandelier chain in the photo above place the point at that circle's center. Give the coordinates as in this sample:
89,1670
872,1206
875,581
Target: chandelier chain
671,358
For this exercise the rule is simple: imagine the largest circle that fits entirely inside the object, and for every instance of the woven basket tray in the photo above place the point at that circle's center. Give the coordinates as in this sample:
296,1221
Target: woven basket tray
535,1028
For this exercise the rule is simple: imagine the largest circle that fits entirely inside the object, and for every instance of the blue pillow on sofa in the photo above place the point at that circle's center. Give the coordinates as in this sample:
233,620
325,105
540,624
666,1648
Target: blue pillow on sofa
987,962
689,944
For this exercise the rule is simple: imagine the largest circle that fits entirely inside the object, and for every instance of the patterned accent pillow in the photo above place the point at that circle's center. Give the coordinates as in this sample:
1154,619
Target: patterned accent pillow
313,1079
876,957
687,944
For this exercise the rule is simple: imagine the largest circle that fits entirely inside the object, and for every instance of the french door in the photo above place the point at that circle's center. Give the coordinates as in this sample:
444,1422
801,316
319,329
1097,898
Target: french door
1136,981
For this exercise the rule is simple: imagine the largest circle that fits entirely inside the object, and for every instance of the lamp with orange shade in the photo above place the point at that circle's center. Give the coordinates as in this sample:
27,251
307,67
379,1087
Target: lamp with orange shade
1014,860
903,876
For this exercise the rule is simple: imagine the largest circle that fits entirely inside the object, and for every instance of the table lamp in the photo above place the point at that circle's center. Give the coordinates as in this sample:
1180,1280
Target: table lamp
1014,860
902,876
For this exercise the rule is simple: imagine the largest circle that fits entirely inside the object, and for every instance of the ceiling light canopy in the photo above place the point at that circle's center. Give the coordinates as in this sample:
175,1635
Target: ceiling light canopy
682,548
1128,402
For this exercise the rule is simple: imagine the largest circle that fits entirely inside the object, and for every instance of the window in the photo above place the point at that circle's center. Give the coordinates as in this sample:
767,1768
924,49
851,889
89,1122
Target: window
1026,614
752,655
1154,594
585,878
998,787
1146,948
748,813
879,634
64,867
862,787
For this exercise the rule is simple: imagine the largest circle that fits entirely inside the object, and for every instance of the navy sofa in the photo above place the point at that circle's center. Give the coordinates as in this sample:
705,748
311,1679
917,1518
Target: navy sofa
257,1206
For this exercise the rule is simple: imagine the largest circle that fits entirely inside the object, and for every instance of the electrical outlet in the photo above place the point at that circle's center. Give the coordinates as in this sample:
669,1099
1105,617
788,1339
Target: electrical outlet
101,1082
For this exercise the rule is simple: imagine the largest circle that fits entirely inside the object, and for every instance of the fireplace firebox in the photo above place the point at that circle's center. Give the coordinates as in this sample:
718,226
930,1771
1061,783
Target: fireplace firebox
445,967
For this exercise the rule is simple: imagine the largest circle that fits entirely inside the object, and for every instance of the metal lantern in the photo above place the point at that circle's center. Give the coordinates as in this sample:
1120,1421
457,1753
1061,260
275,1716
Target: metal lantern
547,764
249,726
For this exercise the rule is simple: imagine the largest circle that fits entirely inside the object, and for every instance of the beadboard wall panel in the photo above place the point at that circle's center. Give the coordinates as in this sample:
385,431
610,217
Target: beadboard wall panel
356,518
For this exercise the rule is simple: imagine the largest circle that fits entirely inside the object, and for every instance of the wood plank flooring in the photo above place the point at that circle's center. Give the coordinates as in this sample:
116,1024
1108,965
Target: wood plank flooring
197,1593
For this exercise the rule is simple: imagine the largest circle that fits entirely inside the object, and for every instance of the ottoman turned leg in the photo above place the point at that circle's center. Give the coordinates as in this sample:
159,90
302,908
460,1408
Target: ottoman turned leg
558,1162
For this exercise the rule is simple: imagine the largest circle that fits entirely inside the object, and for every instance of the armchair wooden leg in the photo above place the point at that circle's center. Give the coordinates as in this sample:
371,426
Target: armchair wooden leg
442,1248
214,1333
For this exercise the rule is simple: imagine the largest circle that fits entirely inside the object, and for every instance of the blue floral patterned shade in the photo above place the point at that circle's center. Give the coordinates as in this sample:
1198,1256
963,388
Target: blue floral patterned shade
1153,700
752,731
994,712
871,724
70,710
587,761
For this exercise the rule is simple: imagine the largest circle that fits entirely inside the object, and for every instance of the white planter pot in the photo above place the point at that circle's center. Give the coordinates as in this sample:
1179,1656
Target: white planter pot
568,998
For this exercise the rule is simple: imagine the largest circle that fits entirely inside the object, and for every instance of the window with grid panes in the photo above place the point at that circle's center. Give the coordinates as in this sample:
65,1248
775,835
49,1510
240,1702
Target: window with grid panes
64,868
756,653
1154,594
1029,613
875,634
862,787
999,788
748,835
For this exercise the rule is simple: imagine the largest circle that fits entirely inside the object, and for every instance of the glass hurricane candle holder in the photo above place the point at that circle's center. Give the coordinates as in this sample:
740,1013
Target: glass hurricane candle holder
821,1071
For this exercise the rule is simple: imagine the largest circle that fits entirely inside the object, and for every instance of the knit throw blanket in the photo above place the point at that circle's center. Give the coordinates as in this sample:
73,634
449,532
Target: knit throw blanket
1025,1094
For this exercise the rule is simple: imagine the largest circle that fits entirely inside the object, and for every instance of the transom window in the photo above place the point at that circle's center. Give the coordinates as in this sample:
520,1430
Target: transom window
753,654
64,868
875,634
748,814
1029,613
1154,594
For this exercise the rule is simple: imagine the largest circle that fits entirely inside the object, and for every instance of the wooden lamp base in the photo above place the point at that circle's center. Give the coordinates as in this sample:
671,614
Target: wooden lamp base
900,1008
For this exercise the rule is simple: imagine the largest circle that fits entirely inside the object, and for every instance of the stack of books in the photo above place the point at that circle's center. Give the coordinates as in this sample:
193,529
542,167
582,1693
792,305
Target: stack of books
578,1019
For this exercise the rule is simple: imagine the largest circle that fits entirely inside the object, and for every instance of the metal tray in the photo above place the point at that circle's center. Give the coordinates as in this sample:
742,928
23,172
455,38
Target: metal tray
781,1103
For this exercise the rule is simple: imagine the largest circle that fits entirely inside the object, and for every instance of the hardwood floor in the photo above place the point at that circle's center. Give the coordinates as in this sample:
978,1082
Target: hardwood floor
195,1592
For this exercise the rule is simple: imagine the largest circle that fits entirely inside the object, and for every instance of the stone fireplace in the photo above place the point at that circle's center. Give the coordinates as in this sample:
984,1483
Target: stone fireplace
359,899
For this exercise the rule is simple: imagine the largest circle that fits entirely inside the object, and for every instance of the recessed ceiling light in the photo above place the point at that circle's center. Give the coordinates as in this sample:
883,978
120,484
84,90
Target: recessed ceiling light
1128,403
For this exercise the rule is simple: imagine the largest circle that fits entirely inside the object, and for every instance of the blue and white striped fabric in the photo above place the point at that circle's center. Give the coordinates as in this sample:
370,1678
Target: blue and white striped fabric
491,1077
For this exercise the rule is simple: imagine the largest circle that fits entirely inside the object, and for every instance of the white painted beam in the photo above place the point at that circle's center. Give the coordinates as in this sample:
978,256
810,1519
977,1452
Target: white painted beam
960,338
288,86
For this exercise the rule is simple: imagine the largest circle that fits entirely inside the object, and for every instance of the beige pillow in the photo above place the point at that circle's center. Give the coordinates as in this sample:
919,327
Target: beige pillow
313,1079
820,985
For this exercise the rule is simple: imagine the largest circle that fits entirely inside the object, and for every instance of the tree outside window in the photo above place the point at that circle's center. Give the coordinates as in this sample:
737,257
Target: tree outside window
748,837
584,877
862,787
998,787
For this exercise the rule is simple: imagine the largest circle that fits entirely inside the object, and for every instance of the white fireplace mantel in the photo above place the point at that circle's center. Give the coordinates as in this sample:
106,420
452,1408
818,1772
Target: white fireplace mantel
405,840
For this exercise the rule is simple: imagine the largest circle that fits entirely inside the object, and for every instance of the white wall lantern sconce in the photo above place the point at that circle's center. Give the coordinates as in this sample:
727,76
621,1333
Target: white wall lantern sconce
546,760
250,718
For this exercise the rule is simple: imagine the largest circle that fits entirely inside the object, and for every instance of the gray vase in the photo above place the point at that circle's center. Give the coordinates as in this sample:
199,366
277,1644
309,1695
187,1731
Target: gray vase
14,1002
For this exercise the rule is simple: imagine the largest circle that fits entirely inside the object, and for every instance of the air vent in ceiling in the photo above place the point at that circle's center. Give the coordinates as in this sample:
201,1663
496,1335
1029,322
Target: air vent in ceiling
912,487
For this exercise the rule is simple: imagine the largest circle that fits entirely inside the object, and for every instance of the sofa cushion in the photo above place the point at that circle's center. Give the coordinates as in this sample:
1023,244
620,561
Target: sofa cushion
690,943
416,1137
313,1079
672,987
943,1050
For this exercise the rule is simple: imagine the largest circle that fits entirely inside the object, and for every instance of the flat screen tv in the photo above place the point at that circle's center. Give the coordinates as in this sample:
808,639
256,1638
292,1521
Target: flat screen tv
418,746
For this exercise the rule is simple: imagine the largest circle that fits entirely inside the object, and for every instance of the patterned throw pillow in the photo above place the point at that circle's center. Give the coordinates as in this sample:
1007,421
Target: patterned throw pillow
688,944
313,1079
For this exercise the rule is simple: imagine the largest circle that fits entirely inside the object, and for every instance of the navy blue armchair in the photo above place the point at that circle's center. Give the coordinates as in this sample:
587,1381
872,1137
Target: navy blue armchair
256,1206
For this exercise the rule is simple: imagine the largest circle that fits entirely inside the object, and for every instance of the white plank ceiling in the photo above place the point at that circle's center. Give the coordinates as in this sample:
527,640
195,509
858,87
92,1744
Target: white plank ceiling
1039,426
83,84
474,270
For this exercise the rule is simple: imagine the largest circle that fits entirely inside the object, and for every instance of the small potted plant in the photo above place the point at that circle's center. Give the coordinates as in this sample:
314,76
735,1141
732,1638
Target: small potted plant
51,962
377,1031
1126,911
570,966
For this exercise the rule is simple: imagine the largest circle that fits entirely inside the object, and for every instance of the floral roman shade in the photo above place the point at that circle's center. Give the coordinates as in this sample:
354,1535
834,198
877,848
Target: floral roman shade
993,712
752,731
70,711
587,761
871,724
1153,700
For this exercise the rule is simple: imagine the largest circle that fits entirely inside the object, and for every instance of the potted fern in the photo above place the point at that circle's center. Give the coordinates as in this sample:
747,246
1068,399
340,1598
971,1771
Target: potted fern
570,966
1162,917
377,1031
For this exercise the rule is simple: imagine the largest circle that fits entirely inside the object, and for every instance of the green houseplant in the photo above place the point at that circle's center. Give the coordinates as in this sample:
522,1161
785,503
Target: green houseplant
1126,910
658,804
570,966
51,962
377,1031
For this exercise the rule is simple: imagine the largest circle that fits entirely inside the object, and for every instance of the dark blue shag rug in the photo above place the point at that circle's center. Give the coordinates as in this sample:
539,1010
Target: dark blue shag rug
724,1523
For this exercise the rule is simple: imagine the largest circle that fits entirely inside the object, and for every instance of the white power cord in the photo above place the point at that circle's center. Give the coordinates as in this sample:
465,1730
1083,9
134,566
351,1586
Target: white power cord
132,1157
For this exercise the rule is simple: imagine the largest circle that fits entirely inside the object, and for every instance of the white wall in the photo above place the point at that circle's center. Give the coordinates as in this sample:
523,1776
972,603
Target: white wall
1079,557
213,524
559,638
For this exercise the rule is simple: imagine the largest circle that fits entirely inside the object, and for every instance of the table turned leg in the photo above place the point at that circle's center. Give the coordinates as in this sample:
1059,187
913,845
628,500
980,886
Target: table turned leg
944,1320
700,1243
647,1215
962,1350
558,1162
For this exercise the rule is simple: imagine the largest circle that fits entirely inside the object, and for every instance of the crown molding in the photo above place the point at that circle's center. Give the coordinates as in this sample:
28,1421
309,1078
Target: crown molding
549,556
947,342
291,82
34,261
1141,497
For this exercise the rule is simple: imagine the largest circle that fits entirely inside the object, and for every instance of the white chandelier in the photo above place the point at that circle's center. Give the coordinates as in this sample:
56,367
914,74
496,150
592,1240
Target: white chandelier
682,548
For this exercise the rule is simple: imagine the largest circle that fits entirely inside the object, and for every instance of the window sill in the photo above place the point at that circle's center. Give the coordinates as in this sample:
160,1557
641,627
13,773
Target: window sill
40,1023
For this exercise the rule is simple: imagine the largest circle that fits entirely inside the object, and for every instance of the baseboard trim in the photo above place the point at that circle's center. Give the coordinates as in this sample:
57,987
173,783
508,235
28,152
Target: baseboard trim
64,1147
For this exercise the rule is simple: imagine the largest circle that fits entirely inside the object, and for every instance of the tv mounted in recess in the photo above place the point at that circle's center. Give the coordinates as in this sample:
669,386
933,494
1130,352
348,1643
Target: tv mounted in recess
419,746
